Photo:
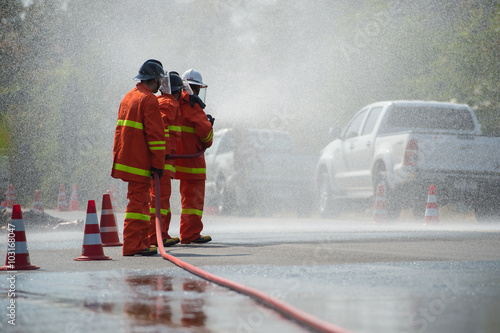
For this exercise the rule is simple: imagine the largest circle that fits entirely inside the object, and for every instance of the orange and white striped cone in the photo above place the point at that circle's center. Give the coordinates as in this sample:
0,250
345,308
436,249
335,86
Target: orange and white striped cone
62,203
37,201
92,243
10,197
380,209
18,257
210,210
73,203
431,209
109,232
112,194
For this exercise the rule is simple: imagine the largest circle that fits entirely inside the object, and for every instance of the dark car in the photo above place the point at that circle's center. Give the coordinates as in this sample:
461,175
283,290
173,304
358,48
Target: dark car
258,170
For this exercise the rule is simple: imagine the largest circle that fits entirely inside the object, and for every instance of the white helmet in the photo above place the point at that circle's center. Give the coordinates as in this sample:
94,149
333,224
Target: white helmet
193,77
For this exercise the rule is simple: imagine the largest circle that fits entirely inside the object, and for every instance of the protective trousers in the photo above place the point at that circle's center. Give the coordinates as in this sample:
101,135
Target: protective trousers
192,200
136,226
165,191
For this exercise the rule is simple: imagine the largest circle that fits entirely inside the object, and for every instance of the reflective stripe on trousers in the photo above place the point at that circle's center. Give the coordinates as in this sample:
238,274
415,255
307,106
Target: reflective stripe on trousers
192,200
137,221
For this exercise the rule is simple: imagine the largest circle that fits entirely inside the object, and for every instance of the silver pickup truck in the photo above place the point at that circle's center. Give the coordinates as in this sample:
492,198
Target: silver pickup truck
258,170
408,146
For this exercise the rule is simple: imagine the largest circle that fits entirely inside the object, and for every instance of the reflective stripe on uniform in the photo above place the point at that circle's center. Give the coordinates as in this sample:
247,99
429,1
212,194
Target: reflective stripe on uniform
153,145
174,128
170,167
209,136
129,169
167,133
179,168
189,211
152,210
130,123
137,216
188,129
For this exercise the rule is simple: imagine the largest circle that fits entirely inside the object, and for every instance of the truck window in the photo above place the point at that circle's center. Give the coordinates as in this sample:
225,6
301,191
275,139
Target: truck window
430,117
354,126
371,120
272,141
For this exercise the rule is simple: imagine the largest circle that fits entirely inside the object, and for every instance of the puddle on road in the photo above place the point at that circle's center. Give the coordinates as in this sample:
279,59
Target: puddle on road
132,301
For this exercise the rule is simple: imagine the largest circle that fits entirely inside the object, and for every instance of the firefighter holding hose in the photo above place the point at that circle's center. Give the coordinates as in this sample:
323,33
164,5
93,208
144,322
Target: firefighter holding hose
138,151
171,115
196,135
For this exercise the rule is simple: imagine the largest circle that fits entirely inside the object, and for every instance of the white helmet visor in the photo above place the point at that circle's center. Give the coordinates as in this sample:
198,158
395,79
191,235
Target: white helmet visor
165,85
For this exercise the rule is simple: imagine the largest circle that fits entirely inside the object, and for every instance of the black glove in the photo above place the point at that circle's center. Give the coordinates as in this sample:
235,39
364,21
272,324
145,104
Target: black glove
194,98
158,171
211,119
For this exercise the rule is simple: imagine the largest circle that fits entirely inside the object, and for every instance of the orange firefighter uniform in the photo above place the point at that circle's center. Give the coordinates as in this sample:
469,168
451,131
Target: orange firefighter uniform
196,134
171,115
139,146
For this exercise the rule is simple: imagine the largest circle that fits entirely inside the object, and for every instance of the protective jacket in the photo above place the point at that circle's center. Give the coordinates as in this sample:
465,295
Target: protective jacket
196,134
171,115
139,137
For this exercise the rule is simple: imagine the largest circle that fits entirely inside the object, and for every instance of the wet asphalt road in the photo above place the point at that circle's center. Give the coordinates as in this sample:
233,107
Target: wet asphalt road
395,277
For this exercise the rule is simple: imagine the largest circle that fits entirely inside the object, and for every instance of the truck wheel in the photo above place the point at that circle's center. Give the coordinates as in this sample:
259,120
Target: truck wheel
226,201
393,204
326,202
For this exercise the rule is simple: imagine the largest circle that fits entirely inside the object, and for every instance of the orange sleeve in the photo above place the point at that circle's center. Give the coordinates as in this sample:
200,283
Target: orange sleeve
155,132
203,127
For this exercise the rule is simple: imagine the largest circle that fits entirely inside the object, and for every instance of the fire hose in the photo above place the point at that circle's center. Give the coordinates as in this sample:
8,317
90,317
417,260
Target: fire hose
271,302
184,156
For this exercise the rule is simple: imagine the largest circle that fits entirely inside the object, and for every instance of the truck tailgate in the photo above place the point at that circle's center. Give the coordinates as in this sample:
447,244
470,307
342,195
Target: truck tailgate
459,153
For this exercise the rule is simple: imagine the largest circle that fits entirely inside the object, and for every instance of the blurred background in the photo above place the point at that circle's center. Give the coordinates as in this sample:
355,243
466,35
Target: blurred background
297,66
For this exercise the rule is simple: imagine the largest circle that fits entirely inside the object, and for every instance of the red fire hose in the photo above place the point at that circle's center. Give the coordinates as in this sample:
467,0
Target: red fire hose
184,156
273,303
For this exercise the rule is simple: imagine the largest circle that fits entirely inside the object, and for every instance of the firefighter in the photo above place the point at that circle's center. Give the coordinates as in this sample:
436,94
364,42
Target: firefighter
196,134
138,152
171,115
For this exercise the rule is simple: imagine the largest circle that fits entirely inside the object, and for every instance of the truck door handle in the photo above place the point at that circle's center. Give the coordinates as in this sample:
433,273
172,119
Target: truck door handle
368,143
351,146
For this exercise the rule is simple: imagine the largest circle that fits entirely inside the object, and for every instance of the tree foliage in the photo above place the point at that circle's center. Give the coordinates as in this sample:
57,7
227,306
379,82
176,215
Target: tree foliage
291,65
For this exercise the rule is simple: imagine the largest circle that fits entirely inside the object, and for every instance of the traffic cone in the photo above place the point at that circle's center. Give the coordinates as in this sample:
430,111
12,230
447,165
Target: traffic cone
431,210
37,201
10,197
109,233
112,194
18,257
74,204
380,210
210,210
62,204
92,243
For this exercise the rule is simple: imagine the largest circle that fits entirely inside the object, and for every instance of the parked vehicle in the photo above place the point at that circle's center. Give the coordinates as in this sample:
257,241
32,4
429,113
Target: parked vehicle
408,146
250,170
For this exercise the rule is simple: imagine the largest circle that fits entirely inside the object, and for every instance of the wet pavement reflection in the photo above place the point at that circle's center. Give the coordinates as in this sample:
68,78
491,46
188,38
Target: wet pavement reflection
134,301
152,298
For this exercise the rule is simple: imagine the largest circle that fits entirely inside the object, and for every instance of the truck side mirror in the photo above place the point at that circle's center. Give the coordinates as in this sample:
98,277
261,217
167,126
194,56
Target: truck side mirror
334,132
